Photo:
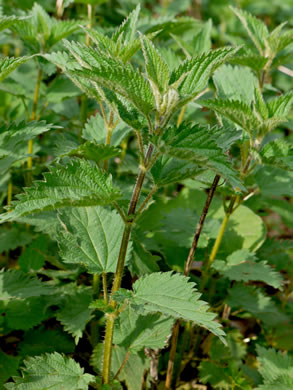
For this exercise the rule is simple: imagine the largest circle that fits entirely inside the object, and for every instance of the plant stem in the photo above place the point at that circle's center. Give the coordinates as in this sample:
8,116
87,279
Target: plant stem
120,266
189,260
33,117
200,224
105,288
9,192
170,369
147,199
181,115
116,376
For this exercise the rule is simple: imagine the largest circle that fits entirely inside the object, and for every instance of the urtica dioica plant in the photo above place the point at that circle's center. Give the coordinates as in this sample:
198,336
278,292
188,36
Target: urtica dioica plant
140,232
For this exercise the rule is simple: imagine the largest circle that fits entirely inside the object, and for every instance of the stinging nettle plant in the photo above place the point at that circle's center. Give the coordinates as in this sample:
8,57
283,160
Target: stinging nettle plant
99,221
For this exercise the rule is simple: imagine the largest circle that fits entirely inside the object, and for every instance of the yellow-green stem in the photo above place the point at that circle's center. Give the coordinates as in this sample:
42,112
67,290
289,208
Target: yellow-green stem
181,116
120,266
105,287
9,192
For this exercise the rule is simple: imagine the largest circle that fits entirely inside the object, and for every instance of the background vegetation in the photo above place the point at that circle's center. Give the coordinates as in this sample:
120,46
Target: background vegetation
228,139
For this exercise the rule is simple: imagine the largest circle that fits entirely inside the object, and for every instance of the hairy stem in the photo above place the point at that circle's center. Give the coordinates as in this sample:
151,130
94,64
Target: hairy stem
186,272
105,287
120,266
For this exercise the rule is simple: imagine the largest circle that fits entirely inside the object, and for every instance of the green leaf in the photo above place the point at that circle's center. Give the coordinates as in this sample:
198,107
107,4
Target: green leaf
196,144
7,21
51,371
193,74
13,140
9,64
242,266
123,80
280,106
13,238
235,83
278,41
168,170
173,295
156,67
223,377
276,368
95,131
60,89
255,28
23,314
238,112
41,340
135,332
75,313
40,32
61,29
93,151
127,51
15,284
133,371
35,255
274,181
142,261
91,236
127,29
253,300
8,367
78,183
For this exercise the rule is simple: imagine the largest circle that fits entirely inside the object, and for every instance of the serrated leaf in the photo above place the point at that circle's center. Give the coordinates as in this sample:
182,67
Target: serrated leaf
94,152
95,131
156,67
15,284
196,145
242,266
123,80
223,376
9,64
75,313
255,28
7,21
40,32
13,140
51,371
78,183
236,83
168,170
173,295
88,237
135,332
254,301
276,369
128,27
280,106
193,74
23,314
238,112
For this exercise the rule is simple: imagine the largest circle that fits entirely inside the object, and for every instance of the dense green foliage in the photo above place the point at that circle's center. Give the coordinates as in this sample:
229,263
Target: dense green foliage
146,195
